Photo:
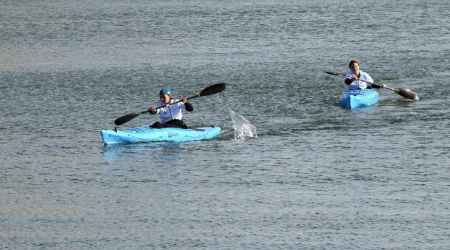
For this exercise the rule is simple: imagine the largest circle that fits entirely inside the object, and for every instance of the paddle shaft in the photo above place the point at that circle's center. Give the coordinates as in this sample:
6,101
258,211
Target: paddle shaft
401,91
213,89
376,84
146,111
192,97
126,118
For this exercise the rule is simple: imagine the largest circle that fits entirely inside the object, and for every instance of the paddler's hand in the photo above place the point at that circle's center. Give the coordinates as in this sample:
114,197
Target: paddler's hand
152,110
383,85
184,100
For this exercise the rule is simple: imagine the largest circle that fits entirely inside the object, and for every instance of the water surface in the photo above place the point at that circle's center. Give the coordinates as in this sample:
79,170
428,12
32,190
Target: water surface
292,169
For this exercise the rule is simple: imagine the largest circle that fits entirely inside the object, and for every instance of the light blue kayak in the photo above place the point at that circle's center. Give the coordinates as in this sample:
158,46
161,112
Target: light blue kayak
358,98
147,134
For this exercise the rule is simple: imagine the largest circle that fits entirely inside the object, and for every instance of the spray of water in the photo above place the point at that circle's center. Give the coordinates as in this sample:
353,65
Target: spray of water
243,129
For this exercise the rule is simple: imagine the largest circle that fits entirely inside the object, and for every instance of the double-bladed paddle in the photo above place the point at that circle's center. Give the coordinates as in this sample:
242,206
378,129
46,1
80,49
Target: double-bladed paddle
408,94
213,89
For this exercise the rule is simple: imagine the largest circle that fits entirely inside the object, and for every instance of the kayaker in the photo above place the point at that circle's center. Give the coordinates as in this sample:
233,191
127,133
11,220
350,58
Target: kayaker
355,74
170,110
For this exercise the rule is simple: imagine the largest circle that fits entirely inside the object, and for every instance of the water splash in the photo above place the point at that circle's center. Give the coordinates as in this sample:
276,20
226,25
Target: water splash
243,129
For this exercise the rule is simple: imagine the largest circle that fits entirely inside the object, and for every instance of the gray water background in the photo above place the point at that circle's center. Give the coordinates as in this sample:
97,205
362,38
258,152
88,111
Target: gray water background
316,176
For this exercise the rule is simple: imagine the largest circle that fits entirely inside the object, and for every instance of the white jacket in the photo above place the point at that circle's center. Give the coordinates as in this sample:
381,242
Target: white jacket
359,84
170,112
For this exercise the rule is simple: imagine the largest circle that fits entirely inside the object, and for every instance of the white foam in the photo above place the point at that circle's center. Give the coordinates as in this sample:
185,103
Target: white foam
243,129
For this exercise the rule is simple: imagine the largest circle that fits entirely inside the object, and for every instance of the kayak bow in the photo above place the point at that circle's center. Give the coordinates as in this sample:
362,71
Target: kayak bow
358,98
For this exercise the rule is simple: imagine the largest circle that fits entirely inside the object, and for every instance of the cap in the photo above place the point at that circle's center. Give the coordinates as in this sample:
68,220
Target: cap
164,91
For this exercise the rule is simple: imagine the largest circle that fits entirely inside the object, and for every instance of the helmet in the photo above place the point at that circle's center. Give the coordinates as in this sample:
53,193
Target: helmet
164,91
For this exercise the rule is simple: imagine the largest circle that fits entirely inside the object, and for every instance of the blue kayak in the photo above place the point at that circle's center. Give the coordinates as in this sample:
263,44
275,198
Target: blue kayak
147,134
358,98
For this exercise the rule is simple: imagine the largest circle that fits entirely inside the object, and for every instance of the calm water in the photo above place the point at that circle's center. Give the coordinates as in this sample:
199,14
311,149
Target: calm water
292,169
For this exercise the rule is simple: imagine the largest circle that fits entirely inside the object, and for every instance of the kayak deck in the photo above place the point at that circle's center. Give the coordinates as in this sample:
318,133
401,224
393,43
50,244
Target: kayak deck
148,134
358,98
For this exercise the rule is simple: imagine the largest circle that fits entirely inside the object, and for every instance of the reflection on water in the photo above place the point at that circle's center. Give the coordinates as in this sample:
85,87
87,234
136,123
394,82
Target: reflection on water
150,153
363,109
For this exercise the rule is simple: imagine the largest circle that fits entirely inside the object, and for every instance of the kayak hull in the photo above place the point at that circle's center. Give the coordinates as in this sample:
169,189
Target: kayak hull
358,98
147,134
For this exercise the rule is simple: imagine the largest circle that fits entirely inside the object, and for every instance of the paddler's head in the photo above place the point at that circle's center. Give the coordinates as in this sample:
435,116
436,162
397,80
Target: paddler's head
164,95
354,67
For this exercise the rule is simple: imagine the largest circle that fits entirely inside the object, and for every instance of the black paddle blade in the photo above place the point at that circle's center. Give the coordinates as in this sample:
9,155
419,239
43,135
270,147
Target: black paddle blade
408,94
126,118
213,89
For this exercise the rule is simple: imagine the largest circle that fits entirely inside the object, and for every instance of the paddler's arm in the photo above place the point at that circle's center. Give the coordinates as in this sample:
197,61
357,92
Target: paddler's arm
374,86
348,81
377,86
187,105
